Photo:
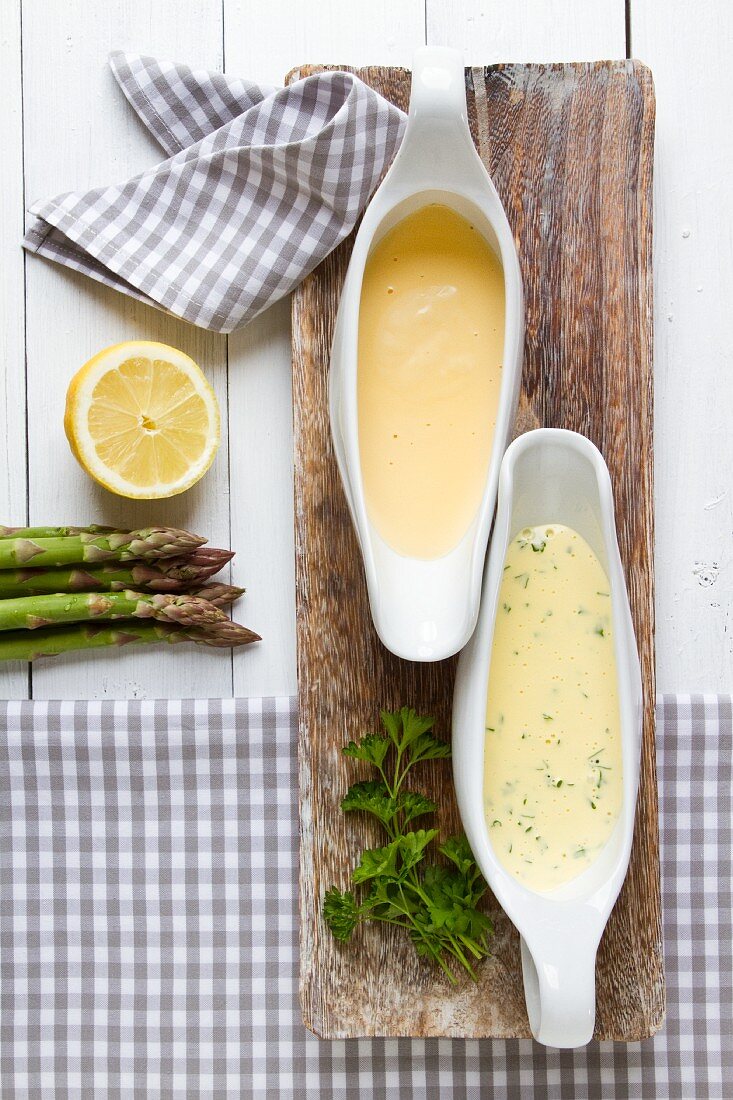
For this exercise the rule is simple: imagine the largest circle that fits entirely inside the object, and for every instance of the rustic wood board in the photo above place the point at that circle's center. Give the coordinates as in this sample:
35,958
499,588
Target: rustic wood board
570,150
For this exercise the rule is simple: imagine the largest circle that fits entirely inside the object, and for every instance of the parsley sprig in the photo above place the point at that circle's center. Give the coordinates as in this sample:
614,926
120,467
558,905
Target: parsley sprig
436,903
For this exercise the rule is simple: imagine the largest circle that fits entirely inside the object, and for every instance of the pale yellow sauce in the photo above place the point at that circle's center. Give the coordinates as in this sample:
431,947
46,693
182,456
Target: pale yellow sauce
553,771
431,341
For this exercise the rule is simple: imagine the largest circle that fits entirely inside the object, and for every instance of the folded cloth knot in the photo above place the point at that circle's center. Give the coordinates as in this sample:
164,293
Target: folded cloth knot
260,185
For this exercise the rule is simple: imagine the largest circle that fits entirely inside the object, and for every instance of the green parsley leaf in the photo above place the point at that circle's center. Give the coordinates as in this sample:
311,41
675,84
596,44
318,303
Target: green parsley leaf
376,862
413,845
427,747
373,797
413,804
373,749
458,851
340,913
405,726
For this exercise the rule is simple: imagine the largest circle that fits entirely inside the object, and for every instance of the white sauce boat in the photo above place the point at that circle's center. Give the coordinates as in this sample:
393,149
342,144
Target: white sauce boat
425,610
551,476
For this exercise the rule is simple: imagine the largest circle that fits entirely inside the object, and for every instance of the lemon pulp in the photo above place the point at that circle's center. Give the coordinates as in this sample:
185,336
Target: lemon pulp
142,420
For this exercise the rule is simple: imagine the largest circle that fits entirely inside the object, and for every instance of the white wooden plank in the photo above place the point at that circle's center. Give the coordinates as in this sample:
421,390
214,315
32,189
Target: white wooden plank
490,31
688,48
80,132
282,36
13,676
261,459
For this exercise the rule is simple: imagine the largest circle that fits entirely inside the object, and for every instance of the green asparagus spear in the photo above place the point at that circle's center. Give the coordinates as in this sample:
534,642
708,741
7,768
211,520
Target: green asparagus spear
27,645
221,595
166,575
150,543
33,612
51,532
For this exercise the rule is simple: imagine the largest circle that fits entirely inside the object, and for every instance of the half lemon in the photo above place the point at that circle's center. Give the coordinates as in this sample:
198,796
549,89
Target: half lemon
142,420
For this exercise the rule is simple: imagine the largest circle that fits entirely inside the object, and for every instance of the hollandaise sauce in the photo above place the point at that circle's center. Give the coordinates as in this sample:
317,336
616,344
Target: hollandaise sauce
431,342
553,768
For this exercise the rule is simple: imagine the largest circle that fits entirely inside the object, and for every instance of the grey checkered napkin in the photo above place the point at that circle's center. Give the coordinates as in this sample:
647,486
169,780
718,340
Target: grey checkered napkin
259,185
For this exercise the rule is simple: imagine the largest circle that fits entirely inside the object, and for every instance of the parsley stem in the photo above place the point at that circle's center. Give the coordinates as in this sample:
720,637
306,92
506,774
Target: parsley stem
460,956
470,946
429,945
388,920
397,776
381,771
435,952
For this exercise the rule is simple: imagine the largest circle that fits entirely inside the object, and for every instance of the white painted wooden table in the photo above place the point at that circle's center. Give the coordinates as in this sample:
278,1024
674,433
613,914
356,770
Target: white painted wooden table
64,125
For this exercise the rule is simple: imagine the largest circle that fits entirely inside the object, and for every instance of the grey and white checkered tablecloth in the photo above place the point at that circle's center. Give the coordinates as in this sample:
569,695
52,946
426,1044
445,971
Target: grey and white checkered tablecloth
148,939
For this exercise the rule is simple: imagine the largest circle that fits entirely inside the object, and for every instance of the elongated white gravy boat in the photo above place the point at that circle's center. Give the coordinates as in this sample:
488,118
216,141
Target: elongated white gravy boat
551,476
426,609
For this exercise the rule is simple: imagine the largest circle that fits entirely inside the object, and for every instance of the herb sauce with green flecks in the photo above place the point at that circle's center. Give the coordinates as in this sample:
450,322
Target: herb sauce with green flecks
553,772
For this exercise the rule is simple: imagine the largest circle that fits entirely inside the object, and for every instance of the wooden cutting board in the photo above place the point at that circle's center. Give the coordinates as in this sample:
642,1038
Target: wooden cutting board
569,148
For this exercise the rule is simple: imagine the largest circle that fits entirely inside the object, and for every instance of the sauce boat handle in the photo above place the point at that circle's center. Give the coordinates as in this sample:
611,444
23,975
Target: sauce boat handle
560,989
437,150
438,85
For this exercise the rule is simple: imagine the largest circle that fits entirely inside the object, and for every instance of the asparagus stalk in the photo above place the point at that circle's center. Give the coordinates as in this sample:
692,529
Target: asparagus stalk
24,645
149,543
33,612
221,595
166,575
51,532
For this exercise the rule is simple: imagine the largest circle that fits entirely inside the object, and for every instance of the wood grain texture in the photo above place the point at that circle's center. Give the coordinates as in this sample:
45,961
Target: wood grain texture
570,149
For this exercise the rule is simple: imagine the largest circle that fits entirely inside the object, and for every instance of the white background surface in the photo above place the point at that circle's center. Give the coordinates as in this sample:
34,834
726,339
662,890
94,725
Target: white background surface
65,125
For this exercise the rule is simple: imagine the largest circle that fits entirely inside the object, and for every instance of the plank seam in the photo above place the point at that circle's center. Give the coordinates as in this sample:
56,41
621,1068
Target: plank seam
26,457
